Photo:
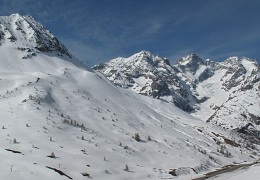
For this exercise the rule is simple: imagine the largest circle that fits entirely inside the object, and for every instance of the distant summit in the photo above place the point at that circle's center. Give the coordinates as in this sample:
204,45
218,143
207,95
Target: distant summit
190,63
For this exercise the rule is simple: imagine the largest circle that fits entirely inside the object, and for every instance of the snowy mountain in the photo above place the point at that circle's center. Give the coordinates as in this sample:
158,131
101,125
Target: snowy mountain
27,39
61,120
149,75
27,32
242,82
224,93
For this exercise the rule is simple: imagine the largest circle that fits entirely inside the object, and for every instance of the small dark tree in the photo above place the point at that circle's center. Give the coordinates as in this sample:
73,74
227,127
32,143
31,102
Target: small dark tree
52,155
82,126
137,137
85,174
126,168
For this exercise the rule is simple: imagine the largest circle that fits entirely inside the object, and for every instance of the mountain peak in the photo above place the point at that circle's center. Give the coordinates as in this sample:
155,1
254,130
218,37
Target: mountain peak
190,59
144,52
235,61
14,15
27,39
147,74
28,33
190,63
144,57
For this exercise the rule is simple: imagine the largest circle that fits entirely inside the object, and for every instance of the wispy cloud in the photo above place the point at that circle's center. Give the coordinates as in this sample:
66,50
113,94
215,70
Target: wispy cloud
99,30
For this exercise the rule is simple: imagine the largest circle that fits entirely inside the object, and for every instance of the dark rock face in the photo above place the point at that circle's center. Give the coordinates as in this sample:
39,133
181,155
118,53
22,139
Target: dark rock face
2,35
190,63
252,134
159,88
234,81
45,41
207,73
182,104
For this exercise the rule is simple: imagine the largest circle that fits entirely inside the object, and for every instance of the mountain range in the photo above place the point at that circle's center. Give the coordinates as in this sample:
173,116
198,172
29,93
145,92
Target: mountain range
130,118
224,93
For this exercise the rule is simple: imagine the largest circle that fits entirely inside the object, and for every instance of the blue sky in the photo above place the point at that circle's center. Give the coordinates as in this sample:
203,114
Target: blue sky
98,30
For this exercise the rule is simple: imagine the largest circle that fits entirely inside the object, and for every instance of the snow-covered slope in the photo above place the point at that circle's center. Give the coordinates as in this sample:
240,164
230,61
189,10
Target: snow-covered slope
234,93
59,120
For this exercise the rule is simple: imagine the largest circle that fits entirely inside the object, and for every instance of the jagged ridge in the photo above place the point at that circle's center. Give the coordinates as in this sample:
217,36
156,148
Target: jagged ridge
17,28
197,86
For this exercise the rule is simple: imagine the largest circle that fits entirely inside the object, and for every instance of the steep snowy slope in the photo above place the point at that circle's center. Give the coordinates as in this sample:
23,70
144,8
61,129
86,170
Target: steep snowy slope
243,104
234,93
59,120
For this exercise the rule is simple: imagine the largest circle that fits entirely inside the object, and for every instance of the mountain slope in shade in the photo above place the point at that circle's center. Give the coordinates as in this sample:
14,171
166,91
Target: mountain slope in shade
61,121
196,86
